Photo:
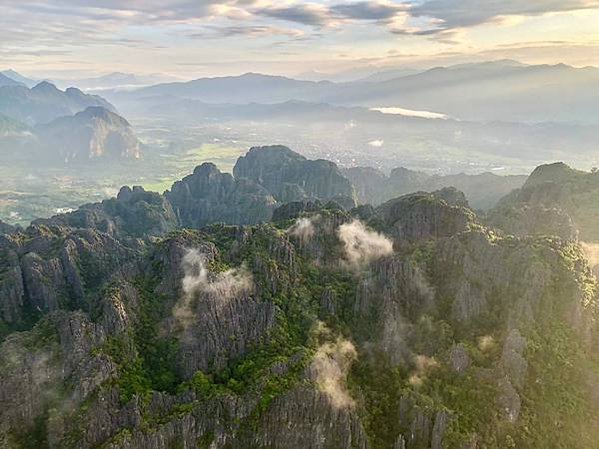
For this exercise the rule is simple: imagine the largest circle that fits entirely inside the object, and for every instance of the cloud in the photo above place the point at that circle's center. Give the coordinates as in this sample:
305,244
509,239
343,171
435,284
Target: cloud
309,14
369,10
422,366
591,252
329,369
362,245
198,281
376,143
218,32
448,14
303,229
313,14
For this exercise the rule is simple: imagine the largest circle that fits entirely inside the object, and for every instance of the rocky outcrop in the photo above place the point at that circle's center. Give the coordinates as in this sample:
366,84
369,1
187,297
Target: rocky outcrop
526,220
95,133
5,228
426,215
555,200
48,269
271,335
133,213
290,176
209,196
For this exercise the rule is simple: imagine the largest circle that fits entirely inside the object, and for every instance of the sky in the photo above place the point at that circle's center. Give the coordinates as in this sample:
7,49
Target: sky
189,39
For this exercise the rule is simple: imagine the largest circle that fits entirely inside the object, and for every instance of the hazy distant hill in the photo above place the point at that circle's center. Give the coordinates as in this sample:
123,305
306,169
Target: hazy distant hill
482,191
248,88
45,102
499,90
503,139
19,78
90,134
6,81
115,80
9,127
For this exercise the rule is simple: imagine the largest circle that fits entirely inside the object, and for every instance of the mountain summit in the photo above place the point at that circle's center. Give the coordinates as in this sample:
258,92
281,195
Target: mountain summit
90,134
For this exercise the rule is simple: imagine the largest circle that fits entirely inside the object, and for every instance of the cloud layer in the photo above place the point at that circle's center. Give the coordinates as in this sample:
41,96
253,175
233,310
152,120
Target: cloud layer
92,32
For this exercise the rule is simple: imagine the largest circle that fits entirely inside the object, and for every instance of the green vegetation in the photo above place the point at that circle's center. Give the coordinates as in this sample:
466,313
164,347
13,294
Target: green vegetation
223,156
556,405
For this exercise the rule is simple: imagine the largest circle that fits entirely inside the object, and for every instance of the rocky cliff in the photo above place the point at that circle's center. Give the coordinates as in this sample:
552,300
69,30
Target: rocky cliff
410,325
291,177
555,200
209,196
91,134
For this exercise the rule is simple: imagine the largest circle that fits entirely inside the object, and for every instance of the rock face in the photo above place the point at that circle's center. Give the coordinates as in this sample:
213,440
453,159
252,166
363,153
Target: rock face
91,134
290,176
426,215
555,200
209,196
134,213
49,269
423,329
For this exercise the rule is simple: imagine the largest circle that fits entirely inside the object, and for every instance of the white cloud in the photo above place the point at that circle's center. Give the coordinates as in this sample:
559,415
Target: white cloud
216,287
330,368
303,229
362,245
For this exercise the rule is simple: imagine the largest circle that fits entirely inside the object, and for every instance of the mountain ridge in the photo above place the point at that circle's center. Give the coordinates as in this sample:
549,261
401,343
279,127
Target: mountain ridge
411,324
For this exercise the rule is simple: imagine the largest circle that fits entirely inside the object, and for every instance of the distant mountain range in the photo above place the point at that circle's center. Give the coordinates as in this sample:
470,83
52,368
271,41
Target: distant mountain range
491,91
115,80
47,124
45,102
11,74
7,81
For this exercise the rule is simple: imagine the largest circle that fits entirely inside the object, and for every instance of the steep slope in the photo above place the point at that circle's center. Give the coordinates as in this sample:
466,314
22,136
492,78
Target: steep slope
44,102
292,177
555,200
209,196
91,134
431,332
10,127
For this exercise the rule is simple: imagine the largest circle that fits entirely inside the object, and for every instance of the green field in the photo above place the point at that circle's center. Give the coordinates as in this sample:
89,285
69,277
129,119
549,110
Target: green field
27,193
178,166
